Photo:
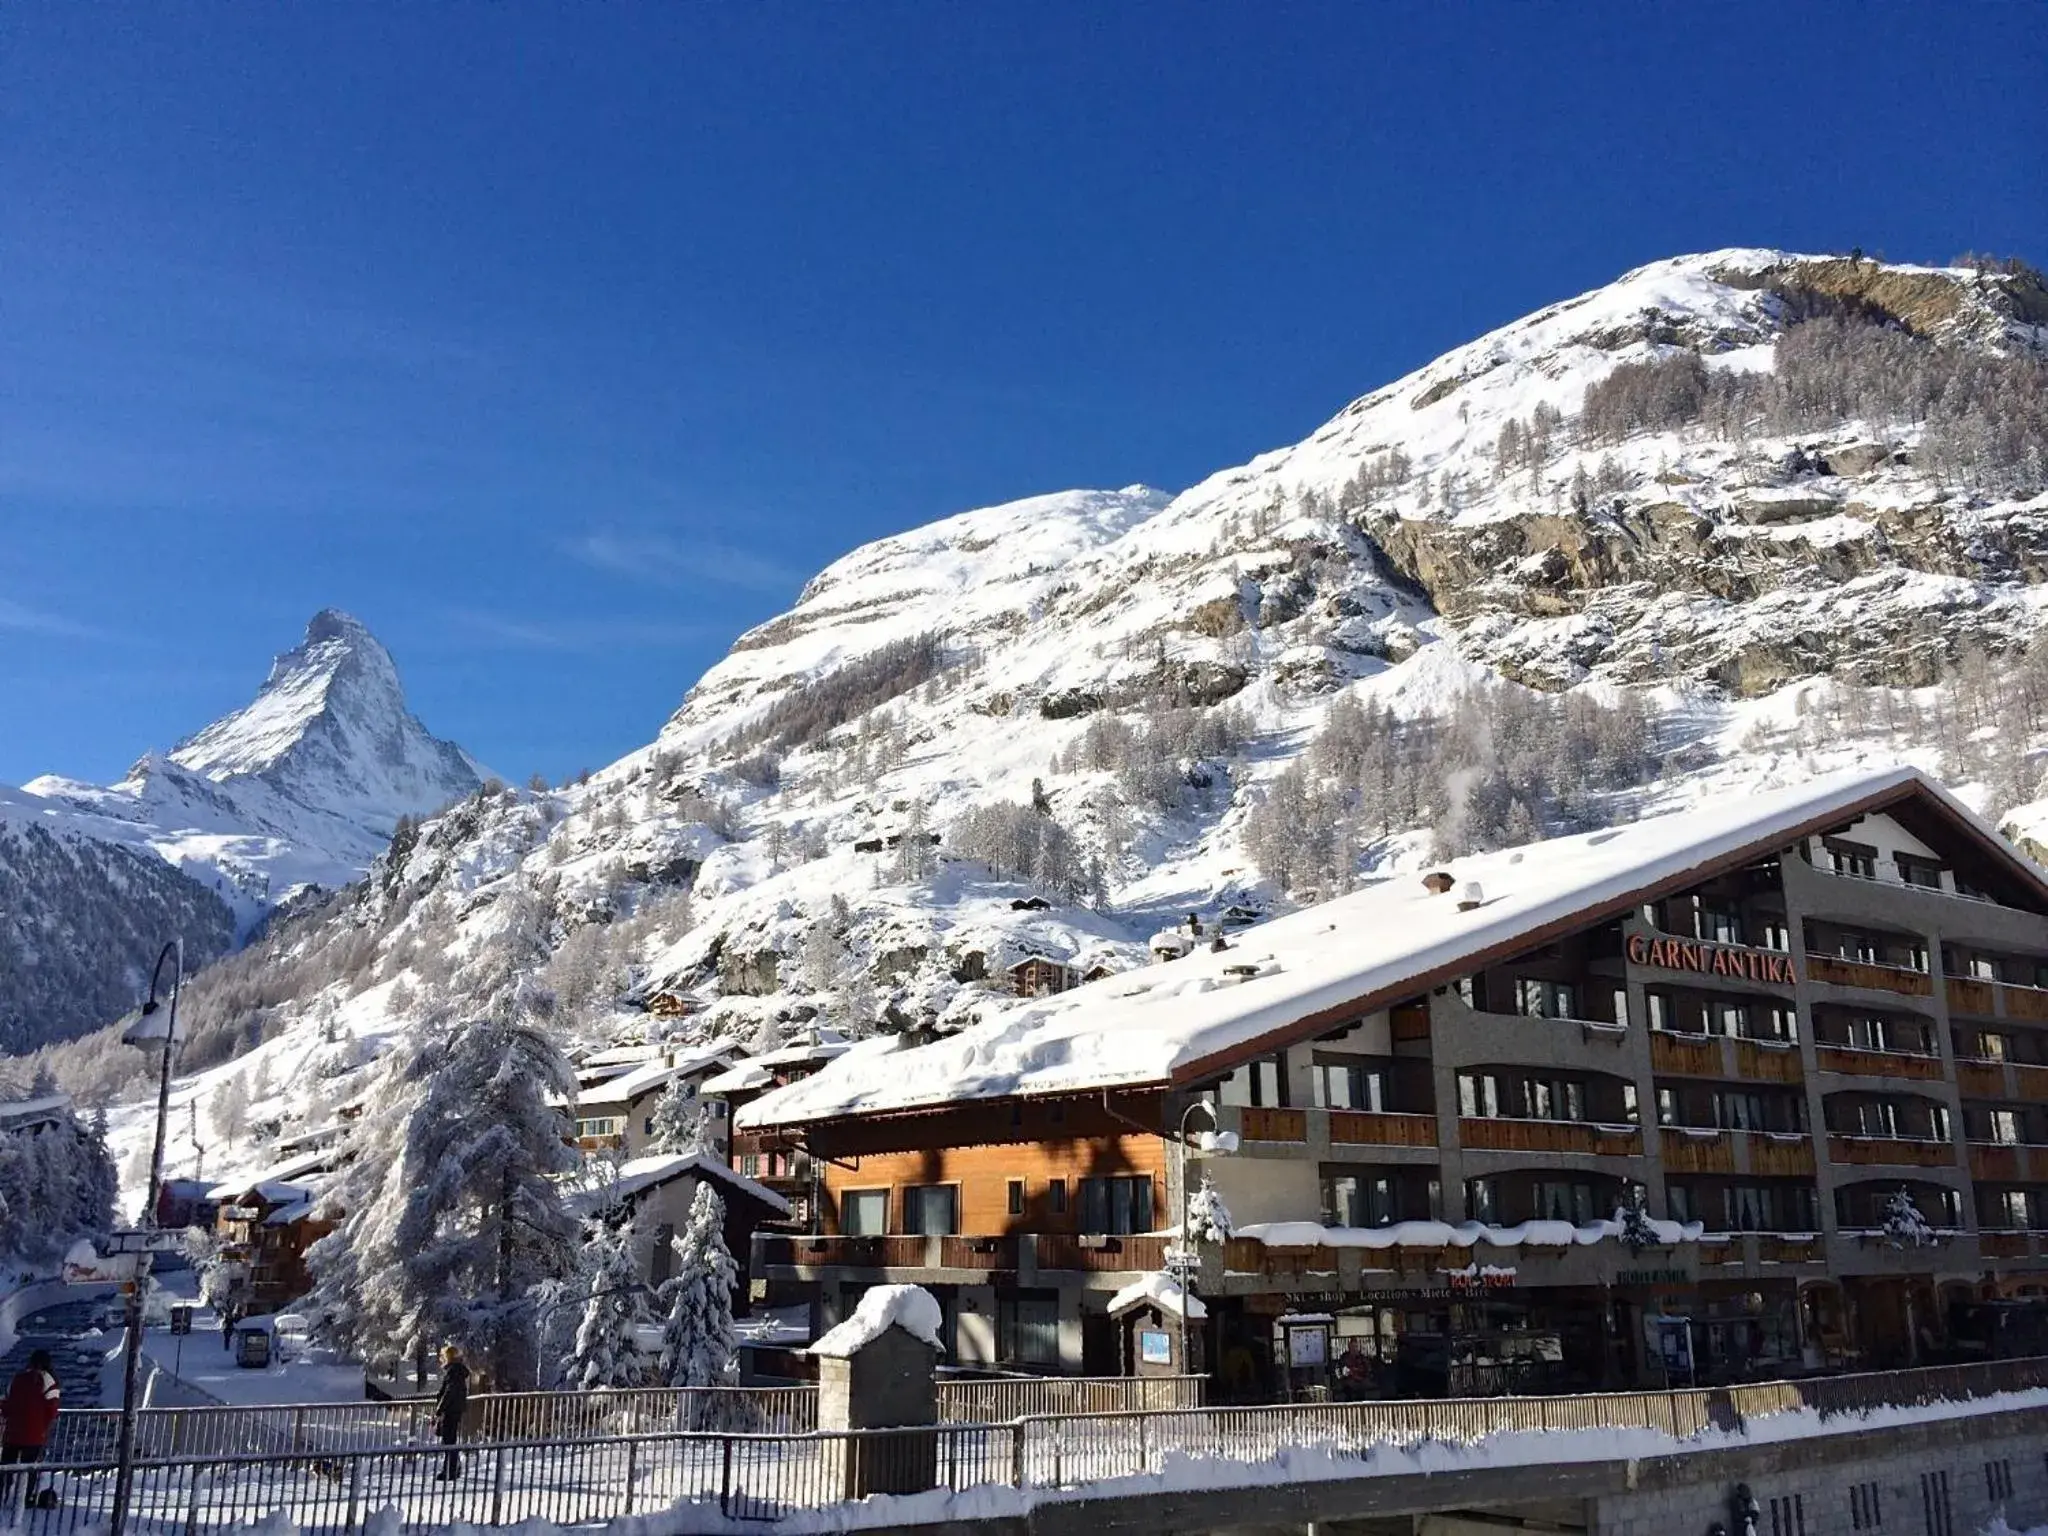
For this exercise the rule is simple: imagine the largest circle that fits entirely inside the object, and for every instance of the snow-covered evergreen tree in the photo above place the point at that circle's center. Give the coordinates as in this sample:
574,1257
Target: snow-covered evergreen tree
607,1350
1904,1226
699,1345
678,1120
452,1218
1208,1217
1637,1232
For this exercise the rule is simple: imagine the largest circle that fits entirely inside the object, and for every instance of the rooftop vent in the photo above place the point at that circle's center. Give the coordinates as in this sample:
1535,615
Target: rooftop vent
1471,896
1437,883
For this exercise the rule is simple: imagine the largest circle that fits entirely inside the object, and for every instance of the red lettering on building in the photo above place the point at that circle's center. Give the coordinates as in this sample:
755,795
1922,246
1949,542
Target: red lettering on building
1710,959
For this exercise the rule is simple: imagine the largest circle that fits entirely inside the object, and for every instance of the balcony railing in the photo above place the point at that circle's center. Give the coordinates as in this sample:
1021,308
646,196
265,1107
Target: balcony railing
1690,1150
1897,1151
1861,1061
2023,1002
1579,1136
1006,1253
1769,1061
1375,1128
1775,1154
1870,975
1967,994
2009,1162
1256,1124
1980,1079
2032,1082
1687,1055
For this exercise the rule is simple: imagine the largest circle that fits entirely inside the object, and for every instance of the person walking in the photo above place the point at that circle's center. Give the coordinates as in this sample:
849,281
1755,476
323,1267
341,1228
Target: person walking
449,1405
30,1409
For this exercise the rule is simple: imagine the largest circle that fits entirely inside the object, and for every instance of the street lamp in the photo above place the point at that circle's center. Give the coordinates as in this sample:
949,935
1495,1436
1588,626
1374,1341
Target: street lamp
150,1031
1213,1140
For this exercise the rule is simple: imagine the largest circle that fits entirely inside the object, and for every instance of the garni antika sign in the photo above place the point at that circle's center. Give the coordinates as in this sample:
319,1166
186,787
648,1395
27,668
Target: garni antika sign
1710,959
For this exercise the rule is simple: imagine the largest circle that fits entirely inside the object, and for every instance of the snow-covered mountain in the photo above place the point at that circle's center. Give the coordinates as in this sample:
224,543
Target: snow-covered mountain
301,787
1728,521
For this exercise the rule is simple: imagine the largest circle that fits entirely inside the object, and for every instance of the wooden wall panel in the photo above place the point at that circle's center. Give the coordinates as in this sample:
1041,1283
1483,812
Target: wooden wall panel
983,1174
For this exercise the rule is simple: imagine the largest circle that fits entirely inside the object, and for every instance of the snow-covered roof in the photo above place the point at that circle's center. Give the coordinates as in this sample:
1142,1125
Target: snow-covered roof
882,1307
759,1071
744,1078
25,1111
643,1173
1159,1290
1365,949
270,1191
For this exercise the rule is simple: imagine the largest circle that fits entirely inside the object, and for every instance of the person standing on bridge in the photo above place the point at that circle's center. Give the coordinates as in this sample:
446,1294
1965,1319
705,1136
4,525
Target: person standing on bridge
449,1406
30,1409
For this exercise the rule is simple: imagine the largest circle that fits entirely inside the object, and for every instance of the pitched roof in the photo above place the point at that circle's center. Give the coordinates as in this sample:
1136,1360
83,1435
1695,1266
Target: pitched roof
1299,975
643,1173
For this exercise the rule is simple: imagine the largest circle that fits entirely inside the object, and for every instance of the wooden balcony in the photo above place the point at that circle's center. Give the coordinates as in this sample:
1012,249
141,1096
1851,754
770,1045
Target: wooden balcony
1272,1124
2025,1003
2032,1083
1685,1055
1102,1255
2003,1245
1761,1063
1773,1248
1890,1151
1365,1128
1857,1062
1981,1079
1712,1254
895,1251
1876,978
1967,995
1780,1157
989,1253
1696,1151
1996,1161
1550,1136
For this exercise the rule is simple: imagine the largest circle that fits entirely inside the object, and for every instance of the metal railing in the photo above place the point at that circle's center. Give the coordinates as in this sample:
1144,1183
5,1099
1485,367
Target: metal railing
998,1402
765,1476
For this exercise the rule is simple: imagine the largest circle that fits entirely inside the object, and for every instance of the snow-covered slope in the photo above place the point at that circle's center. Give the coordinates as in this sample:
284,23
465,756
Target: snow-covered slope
301,787
1111,708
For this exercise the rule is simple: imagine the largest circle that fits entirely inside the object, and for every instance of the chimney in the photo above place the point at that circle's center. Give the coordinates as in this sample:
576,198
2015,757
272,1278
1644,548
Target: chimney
1437,883
1471,896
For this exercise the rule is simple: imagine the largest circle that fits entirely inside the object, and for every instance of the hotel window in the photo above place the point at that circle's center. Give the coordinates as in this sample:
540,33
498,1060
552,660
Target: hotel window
1775,1021
1983,968
1678,1200
1846,858
1056,1195
864,1212
1479,1096
1467,991
1359,1200
1721,925
1667,1106
1877,1118
1736,1111
1558,1200
1016,1197
1725,1017
1554,1100
1871,1032
1257,1084
2005,1126
1777,936
1537,999
1482,1199
1117,1205
1621,1005
1350,1087
1661,1012
931,1210
2010,1208
1993,1047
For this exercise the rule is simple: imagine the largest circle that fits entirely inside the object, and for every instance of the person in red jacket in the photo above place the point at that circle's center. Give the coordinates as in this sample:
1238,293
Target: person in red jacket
30,1409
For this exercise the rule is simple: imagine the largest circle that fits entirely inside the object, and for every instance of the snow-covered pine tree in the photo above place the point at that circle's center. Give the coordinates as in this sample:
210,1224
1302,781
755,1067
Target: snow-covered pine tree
1904,1226
679,1122
607,1350
1637,1232
451,1219
699,1345
1208,1217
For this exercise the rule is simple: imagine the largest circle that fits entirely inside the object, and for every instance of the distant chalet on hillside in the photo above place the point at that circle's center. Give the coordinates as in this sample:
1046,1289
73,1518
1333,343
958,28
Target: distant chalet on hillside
1731,1093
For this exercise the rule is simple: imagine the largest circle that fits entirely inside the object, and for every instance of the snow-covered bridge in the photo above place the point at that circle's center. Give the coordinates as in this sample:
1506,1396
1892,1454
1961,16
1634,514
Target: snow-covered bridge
1589,1462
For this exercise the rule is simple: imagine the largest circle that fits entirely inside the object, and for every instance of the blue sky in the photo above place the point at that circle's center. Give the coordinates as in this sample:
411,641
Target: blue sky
561,344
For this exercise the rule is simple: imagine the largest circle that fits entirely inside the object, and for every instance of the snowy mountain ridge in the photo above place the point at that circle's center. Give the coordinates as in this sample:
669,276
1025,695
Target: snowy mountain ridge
1682,537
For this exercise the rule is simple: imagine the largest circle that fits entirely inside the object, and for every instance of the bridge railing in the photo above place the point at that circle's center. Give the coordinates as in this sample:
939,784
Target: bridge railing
767,1475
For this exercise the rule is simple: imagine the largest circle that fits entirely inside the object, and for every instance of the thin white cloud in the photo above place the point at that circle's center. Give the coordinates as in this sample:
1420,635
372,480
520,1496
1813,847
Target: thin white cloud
34,621
671,562
540,634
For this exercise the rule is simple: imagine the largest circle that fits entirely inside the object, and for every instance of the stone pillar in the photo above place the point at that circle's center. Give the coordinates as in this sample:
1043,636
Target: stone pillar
881,1382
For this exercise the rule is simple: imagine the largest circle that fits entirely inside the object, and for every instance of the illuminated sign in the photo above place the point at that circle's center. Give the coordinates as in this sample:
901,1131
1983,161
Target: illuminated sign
1710,959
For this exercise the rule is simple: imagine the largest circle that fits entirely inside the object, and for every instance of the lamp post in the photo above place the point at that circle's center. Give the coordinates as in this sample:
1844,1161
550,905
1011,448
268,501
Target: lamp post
148,1031
1189,1256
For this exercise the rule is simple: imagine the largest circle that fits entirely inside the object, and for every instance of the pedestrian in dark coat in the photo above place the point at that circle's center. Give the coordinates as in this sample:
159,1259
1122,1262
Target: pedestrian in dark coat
30,1410
450,1403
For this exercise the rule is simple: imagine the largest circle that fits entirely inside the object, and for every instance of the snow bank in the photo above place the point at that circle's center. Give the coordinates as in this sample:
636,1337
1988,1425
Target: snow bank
909,1307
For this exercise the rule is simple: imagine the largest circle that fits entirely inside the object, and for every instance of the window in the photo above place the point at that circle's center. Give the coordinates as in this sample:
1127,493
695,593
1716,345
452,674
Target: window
600,1125
2005,1127
1028,1328
1667,1106
1479,1096
1983,968
1660,1010
1056,1195
1259,1084
1725,1016
1936,1516
1359,1200
1777,1021
2010,1209
1788,1515
1538,999
750,1164
1777,936
1678,1198
1735,1110
1721,925
1994,1047
1998,1479
1466,992
1877,1117
1621,1005
864,1212
931,1210
1117,1205
1865,1513
1016,1197
1482,1199
663,1257
1914,870
1846,858
1560,1200
1350,1087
